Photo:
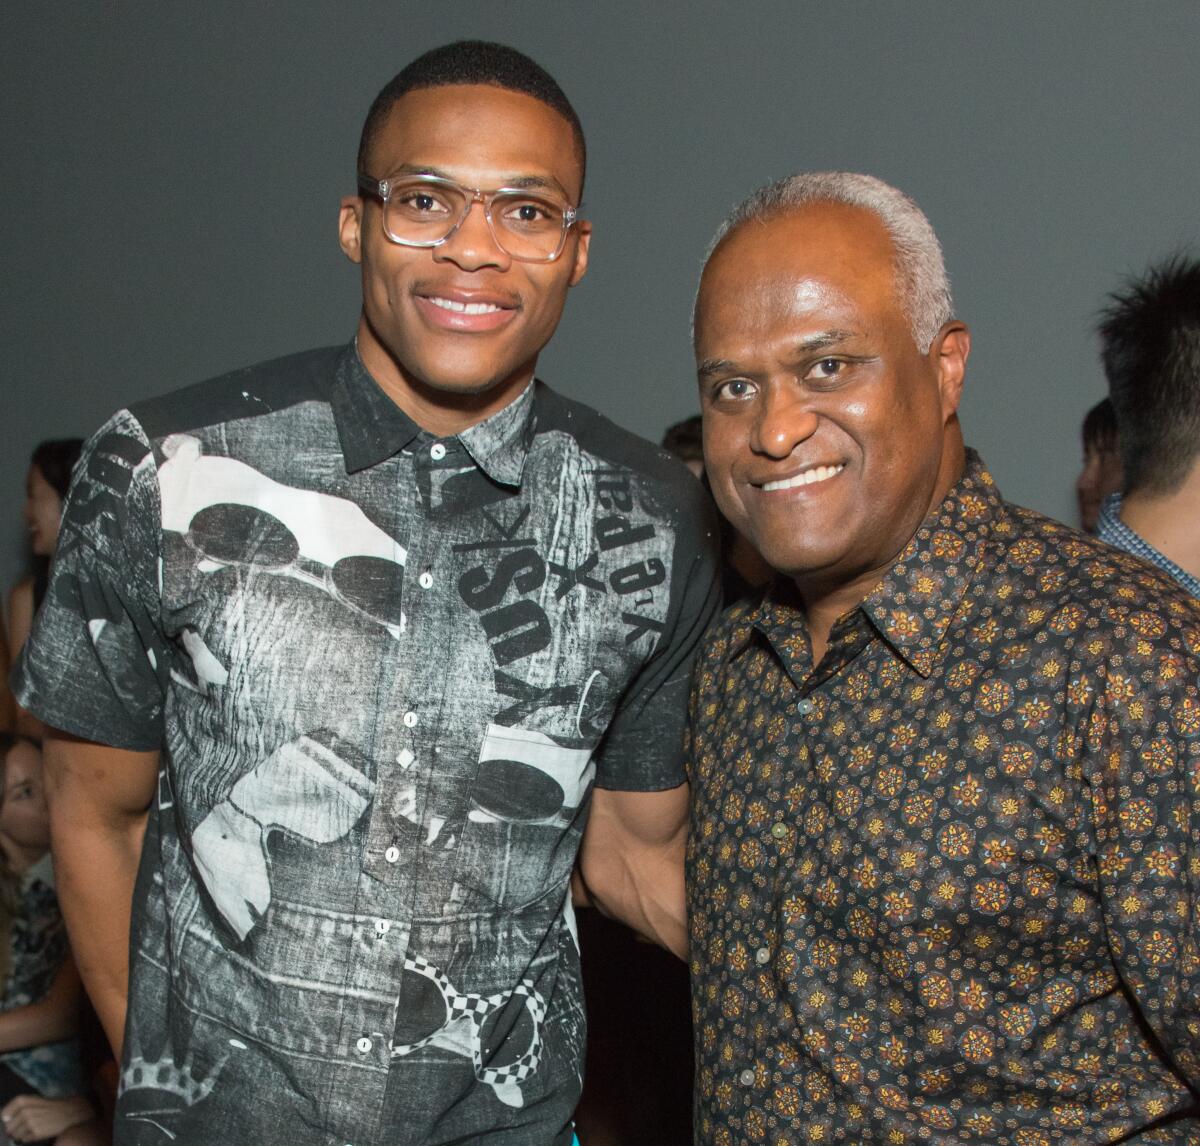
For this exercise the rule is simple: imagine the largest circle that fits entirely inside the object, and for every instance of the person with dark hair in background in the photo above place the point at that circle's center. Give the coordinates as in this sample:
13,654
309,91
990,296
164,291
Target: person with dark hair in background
1150,346
46,485
943,877
42,1084
8,706
375,631
1101,474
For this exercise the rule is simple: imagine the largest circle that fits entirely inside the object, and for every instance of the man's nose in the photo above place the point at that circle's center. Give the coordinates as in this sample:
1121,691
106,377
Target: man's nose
784,422
472,246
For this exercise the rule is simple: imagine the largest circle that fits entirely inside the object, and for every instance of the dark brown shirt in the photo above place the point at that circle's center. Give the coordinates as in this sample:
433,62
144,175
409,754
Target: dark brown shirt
945,886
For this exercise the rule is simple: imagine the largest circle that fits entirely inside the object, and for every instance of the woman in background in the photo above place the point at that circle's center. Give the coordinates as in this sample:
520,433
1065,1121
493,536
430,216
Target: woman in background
41,1076
45,490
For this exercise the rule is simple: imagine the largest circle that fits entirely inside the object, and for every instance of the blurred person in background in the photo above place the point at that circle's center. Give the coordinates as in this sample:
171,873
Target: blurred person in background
46,486
1150,345
1101,473
42,1082
8,706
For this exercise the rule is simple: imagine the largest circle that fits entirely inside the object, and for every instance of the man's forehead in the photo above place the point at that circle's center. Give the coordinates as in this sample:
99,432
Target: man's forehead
809,237
469,130
815,258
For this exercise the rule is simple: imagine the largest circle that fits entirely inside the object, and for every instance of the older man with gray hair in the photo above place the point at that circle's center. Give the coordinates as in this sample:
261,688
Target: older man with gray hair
944,858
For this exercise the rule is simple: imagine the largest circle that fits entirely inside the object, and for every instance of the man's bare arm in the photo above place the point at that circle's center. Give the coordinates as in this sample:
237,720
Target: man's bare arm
631,861
98,799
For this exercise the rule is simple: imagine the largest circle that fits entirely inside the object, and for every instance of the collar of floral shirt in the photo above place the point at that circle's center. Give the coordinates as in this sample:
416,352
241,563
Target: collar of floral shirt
914,605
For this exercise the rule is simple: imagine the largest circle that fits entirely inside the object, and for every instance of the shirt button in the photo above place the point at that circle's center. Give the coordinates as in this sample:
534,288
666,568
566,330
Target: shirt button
410,720
779,830
746,1078
425,580
382,926
763,955
364,1045
437,451
804,707
392,854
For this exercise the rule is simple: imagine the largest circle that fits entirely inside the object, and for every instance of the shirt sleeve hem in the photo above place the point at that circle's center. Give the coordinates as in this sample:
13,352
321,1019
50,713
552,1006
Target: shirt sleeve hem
133,740
650,784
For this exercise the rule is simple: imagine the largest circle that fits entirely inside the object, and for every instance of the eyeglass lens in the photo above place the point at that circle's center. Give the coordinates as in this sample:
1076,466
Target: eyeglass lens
525,224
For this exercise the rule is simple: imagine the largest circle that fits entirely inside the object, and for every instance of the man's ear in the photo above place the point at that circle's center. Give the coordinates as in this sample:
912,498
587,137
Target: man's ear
582,246
350,219
948,354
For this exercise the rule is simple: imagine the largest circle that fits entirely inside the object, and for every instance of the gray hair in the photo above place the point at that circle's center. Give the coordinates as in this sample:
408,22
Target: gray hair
920,269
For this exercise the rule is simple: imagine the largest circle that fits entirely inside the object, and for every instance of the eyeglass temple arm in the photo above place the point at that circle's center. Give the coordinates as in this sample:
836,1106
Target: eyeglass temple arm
370,186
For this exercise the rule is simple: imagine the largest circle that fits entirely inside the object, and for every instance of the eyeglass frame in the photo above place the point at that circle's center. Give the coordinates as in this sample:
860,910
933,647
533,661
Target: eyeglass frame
381,189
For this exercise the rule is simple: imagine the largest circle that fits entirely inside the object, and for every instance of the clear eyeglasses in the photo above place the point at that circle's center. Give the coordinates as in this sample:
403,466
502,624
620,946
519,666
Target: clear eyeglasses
425,210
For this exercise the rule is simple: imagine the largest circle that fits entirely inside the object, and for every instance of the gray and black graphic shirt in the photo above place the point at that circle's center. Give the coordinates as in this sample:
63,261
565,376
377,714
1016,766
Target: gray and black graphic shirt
385,671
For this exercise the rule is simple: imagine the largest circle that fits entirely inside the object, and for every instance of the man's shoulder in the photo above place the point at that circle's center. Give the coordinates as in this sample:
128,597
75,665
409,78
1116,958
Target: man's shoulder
604,440
248,392
1060,576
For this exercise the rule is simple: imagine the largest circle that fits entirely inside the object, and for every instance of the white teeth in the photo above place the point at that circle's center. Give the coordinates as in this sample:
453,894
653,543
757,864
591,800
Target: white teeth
464,307
808,477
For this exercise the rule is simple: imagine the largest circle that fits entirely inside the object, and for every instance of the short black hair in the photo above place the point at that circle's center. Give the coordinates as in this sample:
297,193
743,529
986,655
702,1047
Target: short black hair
1150,344
472,62
55,459
1099,428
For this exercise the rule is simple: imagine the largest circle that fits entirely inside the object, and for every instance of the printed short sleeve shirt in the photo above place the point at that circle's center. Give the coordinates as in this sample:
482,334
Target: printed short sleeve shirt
386,671
944,887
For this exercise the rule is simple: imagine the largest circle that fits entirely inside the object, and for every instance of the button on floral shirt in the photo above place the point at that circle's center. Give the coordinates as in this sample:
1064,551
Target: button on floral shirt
944,887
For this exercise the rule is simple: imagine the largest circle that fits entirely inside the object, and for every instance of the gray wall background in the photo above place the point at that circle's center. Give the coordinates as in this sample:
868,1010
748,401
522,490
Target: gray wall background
171,173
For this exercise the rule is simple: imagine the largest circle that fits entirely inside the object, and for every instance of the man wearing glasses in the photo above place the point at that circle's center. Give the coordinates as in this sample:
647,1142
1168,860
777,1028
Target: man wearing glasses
373,631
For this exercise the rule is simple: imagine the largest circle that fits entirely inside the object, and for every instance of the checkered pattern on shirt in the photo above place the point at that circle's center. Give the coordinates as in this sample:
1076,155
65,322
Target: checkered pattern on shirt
1113,531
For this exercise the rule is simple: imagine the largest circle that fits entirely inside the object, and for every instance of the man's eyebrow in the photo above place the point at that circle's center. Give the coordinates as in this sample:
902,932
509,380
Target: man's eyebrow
711,366
517,182
822,341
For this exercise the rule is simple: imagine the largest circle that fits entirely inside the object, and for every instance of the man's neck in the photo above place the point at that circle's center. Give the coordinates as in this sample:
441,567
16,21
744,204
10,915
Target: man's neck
442,413
1169,521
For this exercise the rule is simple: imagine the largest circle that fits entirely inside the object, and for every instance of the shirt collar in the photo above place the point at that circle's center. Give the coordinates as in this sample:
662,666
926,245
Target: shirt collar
372,428
500,444
913,606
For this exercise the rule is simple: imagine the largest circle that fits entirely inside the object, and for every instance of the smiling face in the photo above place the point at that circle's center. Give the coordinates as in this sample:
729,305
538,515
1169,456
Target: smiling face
43,509
452,332
828,435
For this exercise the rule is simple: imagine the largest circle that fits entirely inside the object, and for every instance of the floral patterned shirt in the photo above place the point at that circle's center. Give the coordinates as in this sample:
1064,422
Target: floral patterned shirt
945,886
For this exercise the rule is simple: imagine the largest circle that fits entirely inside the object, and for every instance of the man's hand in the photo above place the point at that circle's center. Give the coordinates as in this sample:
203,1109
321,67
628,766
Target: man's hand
30,1117
631,861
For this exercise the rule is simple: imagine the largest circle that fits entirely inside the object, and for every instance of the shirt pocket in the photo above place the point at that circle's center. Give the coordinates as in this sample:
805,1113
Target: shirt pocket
523,820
